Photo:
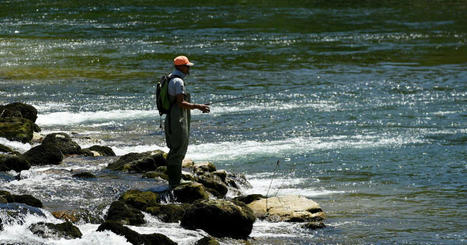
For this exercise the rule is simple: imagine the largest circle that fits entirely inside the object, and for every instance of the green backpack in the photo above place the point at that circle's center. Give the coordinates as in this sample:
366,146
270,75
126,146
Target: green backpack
162,94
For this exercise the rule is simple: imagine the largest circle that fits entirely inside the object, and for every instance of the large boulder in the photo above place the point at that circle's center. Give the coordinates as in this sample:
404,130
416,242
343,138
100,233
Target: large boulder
19,109
220,218
170,213
48,230
13,162
44,155
63,142
139,162
190,192
134,237
17,129
213,184
120,212
140,199
287,208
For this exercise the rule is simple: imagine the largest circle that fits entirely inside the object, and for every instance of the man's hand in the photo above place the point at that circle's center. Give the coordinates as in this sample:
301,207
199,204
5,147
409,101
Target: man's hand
204,108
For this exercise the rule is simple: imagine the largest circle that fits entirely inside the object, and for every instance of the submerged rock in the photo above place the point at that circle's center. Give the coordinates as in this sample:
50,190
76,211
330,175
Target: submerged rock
139,162
63,142
287,208
44,155
48,230
98,151
13,162
314,225
16,213
84,175
78,215
119,211
134,237
169,213
17,129
190,192
220,218
21,109
140,199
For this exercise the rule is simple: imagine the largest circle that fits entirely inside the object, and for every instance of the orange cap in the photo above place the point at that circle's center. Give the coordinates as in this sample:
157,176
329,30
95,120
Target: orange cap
182,60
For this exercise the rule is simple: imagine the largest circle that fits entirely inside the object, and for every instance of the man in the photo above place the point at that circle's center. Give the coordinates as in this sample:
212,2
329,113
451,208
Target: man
177,123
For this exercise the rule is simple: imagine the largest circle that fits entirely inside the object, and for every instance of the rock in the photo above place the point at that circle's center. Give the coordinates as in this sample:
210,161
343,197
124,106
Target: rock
213,184
249,198
220,218
222,174
75,216
84,175
134,237
139,199
187,163
188,193
207,241
6,149
17,129
16,213
314,225
139,162
26,199
119,211
48,230
44,155
102,150
26,111
37,138
155,174
287,208
169,213
13,162
200,168
237,181
63,142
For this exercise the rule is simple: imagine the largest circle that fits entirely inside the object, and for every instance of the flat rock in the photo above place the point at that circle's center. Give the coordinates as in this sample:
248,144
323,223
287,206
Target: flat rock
287,208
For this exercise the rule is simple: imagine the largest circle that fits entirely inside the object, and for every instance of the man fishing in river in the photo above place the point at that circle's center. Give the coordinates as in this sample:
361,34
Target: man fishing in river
177,123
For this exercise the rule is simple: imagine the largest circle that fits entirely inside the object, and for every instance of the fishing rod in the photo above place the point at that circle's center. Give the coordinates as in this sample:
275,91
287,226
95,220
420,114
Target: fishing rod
253,95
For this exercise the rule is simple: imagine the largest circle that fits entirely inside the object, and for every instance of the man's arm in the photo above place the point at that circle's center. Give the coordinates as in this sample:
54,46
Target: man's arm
191,106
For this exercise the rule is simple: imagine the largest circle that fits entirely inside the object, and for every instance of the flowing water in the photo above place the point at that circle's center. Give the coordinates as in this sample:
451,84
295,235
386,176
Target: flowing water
363,102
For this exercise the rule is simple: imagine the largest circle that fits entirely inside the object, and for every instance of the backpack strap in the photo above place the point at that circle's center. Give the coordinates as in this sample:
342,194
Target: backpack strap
171,76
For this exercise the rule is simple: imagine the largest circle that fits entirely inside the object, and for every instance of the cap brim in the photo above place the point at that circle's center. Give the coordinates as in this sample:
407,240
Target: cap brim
190,64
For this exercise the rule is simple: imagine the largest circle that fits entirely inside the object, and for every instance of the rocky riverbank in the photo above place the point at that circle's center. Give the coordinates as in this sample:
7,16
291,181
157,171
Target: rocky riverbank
209,199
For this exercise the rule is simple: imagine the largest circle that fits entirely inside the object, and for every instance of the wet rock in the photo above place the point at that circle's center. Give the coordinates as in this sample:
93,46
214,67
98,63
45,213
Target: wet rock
134,237
17,129
139,162
187,163
24,110
84,175
6,149
63,142
78,215
213,184
207,241
13,162
169,213
44,155
220,218
314,225
237,181
222,174
160,172
103,150
249,198
48,230
140,199
188,193
200,168
119,211
287,208
26,199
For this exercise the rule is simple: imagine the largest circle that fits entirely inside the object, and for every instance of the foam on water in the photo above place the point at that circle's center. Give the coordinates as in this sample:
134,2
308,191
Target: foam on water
15,145
73,118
